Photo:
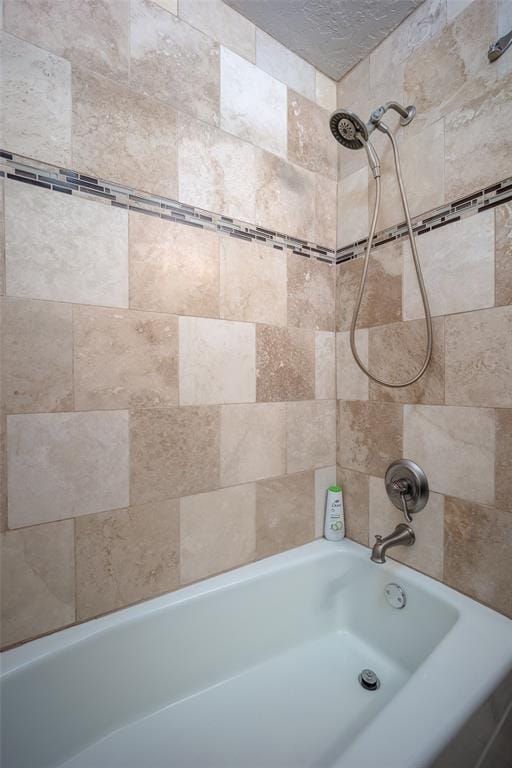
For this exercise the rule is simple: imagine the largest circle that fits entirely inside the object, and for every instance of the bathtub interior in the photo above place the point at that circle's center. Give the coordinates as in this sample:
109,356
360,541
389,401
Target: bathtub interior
281,650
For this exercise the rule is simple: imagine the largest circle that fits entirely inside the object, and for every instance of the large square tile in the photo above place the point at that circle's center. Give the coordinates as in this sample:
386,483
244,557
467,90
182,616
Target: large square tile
252,442
64,248
369,435
351,382
504,459
285,363
252,103
216,19
134,143
279,61
252,282
173,452
325,366
124,358
479,358
503,215
173,268
173,62
63,465
217,531
125,556
310,434
457,262
217,361
455,447
217,171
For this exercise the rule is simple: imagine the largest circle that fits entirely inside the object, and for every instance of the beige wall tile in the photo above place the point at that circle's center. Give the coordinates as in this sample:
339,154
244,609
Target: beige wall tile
481,131
173,451
134,143
124,358
3,474
416,147
252,103
285,197
325,366
174,62
325,91
352,383
451,70
65,248
38,581
324,478
217,361
285,513
282,63
455,447
397,352
37,87
356,503
382,297
252,442
504,459
103,44
353,207
310,142
311,293
369,435
325,211
37,356
503,215
217,531
458,267
310,434
424,23
63,465
216,19
173,268
252,282
426,554
125,556
479,358
285,363
477,552
217,171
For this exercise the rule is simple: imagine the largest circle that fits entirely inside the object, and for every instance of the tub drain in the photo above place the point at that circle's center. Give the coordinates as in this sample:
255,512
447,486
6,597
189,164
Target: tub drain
369,680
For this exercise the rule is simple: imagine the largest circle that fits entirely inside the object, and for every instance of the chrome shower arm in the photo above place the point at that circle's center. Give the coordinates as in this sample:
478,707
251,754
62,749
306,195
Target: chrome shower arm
406,113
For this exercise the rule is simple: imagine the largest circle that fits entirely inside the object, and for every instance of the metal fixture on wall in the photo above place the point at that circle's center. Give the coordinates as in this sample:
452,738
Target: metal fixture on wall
351,132
498,48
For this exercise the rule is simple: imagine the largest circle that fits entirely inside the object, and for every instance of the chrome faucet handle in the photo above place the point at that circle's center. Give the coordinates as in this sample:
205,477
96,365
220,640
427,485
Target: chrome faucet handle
403,487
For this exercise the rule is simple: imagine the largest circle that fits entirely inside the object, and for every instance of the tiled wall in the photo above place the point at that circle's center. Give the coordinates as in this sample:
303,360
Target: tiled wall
168,393
456,422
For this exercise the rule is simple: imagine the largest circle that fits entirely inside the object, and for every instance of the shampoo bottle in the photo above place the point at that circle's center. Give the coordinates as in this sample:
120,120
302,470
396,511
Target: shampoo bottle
334,528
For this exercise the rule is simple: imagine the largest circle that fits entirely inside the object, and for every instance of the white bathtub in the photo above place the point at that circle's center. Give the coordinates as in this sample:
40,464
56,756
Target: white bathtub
258,668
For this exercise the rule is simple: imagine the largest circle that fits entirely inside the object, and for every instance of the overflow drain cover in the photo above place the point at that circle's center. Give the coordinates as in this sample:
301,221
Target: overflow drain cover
369,680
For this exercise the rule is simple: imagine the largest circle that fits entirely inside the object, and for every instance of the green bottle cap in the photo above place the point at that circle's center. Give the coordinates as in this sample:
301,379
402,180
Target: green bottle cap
335,488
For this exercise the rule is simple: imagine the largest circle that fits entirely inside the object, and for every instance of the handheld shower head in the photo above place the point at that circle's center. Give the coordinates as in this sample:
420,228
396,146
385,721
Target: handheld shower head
347,128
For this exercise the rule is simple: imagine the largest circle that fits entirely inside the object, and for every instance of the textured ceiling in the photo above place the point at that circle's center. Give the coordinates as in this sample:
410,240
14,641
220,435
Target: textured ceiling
334,35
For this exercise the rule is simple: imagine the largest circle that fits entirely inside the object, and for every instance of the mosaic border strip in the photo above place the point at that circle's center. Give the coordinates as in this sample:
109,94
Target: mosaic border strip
71,182
482,200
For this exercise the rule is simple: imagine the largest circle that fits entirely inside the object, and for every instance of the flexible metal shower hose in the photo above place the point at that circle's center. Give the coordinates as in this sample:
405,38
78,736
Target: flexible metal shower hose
419,275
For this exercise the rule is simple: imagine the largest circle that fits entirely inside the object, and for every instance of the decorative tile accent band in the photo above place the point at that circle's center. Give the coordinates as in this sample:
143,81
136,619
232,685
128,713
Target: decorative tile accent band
488,197
74,183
